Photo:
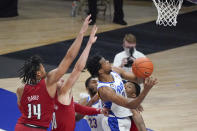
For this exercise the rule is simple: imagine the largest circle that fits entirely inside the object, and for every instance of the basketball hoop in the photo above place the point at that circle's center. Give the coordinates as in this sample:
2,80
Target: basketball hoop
167,11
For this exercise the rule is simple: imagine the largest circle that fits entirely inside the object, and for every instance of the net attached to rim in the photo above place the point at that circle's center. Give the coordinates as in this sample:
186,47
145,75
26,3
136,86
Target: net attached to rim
167,11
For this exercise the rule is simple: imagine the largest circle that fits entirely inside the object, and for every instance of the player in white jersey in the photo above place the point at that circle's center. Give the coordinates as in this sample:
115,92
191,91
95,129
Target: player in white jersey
94,121
112,92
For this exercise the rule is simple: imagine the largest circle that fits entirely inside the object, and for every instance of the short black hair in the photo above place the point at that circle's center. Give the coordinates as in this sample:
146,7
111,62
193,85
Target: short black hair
93,65
28,71
88,81
137,88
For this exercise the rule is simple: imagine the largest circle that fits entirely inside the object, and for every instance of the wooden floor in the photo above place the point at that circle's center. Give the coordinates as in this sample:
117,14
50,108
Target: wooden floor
170,106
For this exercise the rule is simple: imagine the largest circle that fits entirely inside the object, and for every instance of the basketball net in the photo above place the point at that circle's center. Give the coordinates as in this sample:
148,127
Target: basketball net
167,11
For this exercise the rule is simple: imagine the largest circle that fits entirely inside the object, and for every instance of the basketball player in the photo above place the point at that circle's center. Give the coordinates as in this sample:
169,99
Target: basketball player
64,115
133,91
94,121
112,92
36,98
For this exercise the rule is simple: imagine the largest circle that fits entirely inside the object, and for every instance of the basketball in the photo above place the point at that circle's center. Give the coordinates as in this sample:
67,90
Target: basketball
142,67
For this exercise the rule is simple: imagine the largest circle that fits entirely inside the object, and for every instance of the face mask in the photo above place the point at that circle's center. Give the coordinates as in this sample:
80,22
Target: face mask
129,51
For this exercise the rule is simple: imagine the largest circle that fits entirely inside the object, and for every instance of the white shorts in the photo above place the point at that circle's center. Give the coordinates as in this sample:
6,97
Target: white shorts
116,124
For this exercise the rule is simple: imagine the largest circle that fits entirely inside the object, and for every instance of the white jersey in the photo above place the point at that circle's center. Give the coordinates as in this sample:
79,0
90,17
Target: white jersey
95,121
118,86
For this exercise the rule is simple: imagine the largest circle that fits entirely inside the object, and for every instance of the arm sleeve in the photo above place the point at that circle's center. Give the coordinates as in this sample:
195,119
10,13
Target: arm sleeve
84,110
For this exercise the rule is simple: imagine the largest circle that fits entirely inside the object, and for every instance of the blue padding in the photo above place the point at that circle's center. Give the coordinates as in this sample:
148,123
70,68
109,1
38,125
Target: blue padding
113,123
82,125
9,112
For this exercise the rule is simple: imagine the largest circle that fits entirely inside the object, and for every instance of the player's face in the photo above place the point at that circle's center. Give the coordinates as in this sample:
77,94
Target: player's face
92,86
42,71
130,90
105,65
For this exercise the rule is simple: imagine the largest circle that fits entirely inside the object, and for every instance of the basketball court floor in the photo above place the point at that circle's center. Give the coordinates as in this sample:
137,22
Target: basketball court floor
170,106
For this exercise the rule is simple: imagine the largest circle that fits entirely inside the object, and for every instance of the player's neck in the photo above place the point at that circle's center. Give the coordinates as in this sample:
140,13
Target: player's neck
92,95
106,78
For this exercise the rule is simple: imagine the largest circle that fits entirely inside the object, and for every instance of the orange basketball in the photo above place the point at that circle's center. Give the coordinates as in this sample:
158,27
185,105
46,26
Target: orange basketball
142,67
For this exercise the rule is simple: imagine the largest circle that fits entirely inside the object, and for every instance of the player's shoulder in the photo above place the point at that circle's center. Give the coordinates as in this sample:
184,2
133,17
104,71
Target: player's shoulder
20,89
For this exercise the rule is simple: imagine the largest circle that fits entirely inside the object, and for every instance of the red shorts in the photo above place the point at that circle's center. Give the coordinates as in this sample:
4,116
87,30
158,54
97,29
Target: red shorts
21,127
133,126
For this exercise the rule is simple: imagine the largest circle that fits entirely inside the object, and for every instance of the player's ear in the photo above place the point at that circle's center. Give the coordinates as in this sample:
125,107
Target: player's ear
133,95
100,71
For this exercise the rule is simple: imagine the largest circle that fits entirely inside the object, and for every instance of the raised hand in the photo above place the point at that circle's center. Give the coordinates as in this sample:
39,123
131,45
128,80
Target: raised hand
140,108
93,38
85,24
150,82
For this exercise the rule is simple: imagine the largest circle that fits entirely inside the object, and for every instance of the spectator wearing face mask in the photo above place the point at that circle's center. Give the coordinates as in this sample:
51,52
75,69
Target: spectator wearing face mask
125,58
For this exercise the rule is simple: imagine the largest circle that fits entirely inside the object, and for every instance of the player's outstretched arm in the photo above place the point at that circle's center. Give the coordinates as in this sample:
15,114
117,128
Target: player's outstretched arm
54,75
85,102
79,66
108,94
126,75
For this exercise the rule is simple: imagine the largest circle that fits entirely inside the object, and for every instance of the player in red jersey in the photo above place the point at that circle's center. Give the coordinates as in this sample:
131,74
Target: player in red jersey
64,115
137,122
36,98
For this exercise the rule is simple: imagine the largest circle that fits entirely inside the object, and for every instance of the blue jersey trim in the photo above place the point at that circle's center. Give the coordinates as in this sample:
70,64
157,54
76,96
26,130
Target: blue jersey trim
113,123
88,99
108,104
109,82
106,86
106,82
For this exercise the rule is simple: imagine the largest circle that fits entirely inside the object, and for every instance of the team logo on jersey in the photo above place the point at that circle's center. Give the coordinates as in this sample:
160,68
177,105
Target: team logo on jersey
112,86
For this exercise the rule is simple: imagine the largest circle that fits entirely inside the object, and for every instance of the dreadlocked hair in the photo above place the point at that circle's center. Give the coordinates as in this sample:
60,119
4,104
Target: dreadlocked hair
28,71
93,65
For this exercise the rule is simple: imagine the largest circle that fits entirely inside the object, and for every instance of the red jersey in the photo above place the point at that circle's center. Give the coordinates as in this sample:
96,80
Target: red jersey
36,105
133,126
64,115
